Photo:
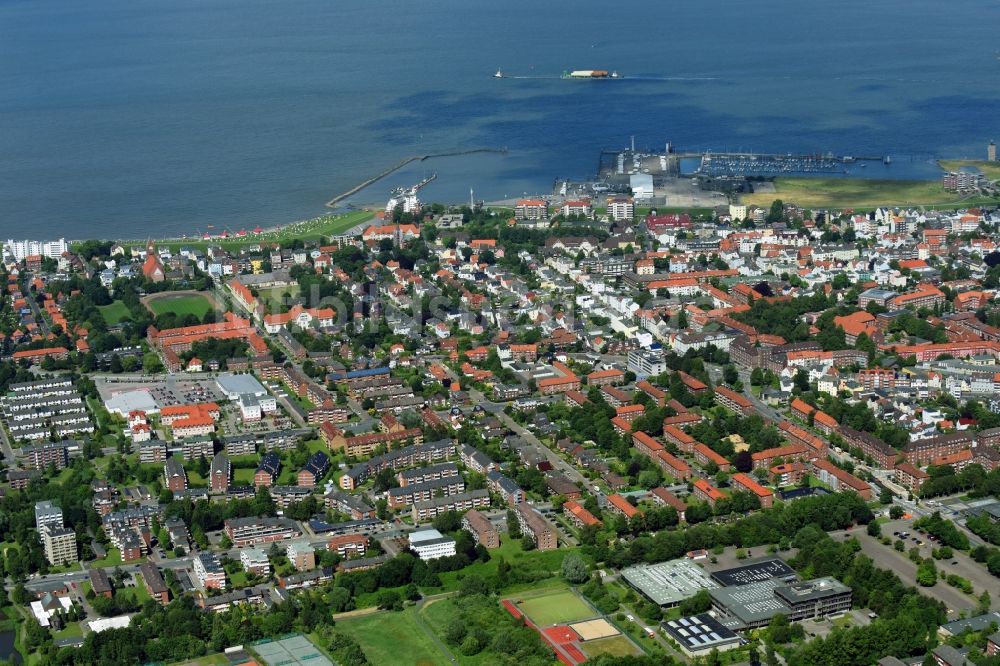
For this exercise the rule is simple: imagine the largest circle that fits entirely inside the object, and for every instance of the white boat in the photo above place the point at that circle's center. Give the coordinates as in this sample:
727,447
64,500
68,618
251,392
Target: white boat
499,74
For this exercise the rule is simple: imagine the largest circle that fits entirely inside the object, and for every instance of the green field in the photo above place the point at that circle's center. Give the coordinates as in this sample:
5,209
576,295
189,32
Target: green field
617,646
114,313
243,476
859,193
309,230
181,304
547,561
555,608
113,559
990,169
385,637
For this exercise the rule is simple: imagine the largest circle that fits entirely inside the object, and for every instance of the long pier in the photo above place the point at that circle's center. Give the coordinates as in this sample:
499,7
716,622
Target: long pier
332,203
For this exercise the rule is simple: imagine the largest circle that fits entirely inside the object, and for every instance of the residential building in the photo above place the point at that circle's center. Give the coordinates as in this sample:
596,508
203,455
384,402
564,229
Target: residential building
534,525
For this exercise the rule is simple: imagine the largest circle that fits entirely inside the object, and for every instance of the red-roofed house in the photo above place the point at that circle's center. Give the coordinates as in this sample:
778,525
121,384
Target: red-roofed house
744,482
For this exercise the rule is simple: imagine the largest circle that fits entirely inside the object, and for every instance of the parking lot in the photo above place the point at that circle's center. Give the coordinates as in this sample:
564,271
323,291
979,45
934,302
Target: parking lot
960,563
174,389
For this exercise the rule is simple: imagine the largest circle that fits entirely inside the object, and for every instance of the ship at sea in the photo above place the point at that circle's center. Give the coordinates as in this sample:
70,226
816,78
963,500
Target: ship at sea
590,74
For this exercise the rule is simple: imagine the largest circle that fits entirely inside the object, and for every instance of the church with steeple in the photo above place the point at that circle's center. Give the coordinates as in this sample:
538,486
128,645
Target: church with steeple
152,268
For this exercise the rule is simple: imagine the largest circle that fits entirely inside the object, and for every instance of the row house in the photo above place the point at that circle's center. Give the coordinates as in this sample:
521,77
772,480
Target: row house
733,401
705,456
910,477
535,526
408,456
580,517
840,480
506,487
684,442
664,497
922,451
789,474
741,481
883,455
483,531
706,492
421,492
473,499
252,531
672,465
765,459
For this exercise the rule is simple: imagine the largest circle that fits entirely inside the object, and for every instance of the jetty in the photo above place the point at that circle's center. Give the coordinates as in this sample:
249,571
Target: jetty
332,203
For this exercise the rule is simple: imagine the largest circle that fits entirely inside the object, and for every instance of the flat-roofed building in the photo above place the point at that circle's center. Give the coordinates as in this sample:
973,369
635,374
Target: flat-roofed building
431,544
209,571
301,554
252,531
697,636
60,545
348,545
666,584
254,561
47,514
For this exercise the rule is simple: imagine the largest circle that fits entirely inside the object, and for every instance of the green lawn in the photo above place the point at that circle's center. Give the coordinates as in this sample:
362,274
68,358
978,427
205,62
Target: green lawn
243,476
858,193
548,561
554,608
617,646
386,637
114,558
181,304
309,230
140,592
114,313
238,579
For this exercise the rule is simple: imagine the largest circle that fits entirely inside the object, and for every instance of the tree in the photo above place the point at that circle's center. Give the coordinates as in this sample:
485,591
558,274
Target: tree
927,573
984,603
527,543
389,600
896,512
513,526
574,569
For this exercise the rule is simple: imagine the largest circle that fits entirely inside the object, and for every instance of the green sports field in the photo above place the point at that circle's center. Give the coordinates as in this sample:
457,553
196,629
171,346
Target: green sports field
393,638
182,304
617,646
560,607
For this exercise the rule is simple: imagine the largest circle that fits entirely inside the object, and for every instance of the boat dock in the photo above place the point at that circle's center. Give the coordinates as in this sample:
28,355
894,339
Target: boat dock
332,203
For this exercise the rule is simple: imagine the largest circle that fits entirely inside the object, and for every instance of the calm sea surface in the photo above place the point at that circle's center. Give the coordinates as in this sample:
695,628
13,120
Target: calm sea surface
128,118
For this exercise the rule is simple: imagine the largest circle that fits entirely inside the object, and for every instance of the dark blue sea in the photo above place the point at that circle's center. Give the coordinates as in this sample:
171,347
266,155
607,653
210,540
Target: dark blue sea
128,118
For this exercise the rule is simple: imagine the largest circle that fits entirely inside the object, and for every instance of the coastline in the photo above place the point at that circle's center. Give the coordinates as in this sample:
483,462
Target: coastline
364,213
